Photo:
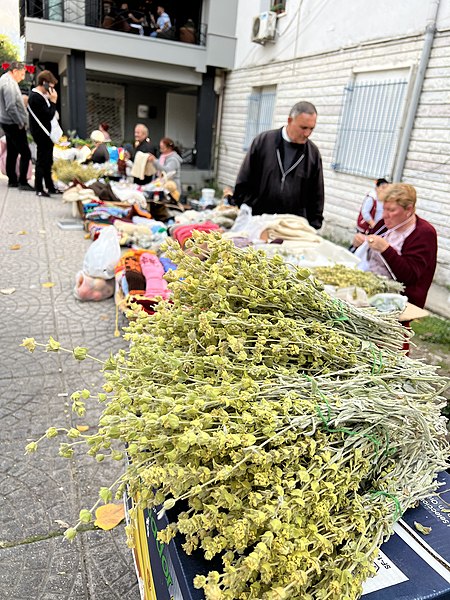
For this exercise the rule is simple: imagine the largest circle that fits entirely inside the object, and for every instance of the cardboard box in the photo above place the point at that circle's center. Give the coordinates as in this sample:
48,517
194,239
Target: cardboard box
410,565
433,512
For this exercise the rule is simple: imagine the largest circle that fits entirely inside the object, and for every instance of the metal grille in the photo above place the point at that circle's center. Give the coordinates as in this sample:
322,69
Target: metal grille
259,114
105,102
369,127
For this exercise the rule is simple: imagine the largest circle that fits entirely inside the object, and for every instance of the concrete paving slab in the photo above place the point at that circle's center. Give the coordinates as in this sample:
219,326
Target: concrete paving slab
39,491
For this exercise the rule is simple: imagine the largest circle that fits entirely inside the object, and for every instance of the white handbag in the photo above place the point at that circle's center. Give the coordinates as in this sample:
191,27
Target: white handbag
56,131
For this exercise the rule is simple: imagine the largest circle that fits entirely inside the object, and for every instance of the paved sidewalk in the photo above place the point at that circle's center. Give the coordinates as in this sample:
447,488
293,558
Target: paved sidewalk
39,490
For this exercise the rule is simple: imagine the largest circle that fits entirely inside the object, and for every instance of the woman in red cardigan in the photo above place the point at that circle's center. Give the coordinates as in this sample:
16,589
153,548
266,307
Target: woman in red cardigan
402,246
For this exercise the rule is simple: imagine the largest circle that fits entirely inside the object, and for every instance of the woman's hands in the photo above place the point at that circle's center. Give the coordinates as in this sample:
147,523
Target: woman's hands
151,158
52,95
359,239
375,242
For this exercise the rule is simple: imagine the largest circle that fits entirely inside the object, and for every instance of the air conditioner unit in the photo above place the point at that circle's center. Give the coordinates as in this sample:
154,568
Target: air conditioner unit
264,27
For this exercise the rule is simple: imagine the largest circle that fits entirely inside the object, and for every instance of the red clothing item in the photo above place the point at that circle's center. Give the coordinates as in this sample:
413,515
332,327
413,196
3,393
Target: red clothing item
416,265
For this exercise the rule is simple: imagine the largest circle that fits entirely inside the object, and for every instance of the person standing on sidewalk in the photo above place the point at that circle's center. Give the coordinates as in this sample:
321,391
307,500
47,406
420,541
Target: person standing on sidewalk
13,119
282,171
42,108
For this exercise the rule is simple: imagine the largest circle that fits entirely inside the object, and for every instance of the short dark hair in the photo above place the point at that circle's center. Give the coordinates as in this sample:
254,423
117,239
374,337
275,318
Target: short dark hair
16,65
380,181
46,76
302,107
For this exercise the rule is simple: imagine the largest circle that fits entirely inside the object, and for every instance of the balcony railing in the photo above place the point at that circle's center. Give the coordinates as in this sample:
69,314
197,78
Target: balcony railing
107,14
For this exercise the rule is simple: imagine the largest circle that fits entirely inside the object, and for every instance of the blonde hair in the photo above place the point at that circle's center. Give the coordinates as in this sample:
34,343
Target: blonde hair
402,194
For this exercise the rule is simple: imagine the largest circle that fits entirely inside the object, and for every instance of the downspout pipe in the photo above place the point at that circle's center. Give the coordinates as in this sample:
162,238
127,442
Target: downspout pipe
219,126
430,30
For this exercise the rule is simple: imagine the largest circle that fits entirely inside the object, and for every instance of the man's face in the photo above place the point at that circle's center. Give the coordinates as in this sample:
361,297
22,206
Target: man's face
299,128
159,10
18,75
139,134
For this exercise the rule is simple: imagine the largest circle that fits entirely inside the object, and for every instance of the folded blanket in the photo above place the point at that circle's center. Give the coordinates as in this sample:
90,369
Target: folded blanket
290,227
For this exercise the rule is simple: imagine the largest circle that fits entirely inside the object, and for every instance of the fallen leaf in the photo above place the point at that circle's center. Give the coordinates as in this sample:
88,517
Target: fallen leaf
23,232
422,528
48,284
62,524
108,516
15,247
82,428
7,291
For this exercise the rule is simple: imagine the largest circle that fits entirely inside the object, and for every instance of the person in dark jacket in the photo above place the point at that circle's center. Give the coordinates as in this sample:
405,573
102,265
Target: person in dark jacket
282,171
42,108
99,154
402,246
142,143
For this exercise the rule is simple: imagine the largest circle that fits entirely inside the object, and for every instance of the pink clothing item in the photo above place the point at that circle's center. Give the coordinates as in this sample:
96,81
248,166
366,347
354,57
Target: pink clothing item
153,272
377,263
184,232
162,159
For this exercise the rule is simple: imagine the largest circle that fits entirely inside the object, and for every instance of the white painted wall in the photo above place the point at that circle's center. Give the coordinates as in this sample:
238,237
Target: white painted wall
320,77
315,26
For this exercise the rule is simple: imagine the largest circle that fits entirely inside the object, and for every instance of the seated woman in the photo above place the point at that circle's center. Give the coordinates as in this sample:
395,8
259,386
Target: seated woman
402,246
100,152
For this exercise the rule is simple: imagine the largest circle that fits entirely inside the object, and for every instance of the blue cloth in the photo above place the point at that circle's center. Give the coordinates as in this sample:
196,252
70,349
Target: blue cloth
167,264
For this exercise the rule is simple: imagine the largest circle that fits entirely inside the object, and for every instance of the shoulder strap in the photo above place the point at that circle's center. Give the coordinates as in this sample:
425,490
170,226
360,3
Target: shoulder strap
37,120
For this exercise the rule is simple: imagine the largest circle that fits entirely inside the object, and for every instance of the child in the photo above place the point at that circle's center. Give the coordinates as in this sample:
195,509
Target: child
372,207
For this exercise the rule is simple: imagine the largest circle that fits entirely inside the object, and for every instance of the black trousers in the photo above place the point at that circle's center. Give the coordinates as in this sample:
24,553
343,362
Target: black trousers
16,143
44,163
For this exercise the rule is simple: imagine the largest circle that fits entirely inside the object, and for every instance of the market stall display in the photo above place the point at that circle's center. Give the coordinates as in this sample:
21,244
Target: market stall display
284,427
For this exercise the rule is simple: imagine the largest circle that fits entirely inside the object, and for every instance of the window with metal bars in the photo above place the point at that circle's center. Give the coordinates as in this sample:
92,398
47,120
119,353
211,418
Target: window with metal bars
105,103
369,127
261,104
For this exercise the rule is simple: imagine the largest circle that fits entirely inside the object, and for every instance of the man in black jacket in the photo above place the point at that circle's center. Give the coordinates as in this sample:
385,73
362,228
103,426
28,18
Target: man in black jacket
142,143
282,171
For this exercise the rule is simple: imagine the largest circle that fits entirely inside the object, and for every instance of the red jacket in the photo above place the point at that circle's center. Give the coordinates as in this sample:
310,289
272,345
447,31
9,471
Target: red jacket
416,265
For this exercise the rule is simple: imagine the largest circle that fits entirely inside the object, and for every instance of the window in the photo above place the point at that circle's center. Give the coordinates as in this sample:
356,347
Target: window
278,7
261,103
369,126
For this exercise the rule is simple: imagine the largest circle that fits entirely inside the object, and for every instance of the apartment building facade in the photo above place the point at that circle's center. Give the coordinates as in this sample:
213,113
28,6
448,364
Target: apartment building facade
379,75
126,76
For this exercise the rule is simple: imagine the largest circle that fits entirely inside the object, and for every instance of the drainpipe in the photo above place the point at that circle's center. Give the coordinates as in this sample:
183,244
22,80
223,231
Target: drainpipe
430,30
218,125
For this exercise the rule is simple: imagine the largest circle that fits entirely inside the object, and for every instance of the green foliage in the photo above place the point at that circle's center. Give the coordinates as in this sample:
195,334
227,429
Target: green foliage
342,276
433,329
285,423
8,50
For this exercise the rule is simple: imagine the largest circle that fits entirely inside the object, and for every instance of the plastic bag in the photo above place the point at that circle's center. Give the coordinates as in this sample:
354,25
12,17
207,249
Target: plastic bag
388,302
103,254
93,288
56,130
362,252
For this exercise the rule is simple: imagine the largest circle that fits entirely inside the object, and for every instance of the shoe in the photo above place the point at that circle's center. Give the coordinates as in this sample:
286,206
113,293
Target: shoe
43,194
26,187
11,185
52,192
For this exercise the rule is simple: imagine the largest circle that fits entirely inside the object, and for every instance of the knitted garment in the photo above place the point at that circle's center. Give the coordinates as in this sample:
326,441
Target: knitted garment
184,232
153,272
141,166
167,264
